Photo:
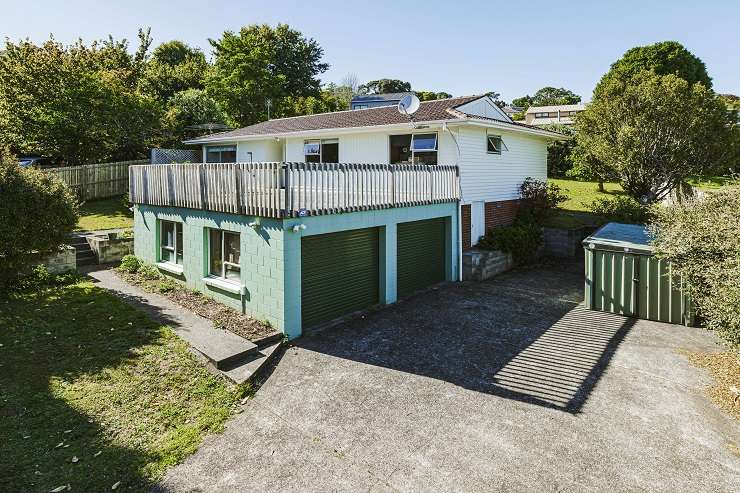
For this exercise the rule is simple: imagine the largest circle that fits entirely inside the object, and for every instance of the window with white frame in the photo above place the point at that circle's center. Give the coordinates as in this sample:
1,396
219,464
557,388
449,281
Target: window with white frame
414,149
221,154
494,144
170,242
321,151
223,255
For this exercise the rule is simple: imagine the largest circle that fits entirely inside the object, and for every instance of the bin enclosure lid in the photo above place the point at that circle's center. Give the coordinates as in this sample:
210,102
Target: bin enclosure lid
618,237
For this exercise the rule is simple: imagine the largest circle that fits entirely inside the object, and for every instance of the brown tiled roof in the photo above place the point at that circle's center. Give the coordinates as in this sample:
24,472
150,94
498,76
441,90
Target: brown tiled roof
383,115
440,109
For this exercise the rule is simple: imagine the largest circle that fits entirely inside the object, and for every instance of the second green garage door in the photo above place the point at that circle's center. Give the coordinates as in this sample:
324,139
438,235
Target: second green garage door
420,254
339,274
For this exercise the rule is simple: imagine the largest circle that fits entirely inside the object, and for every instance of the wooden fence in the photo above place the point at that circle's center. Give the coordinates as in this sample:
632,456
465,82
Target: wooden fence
96,181
292,189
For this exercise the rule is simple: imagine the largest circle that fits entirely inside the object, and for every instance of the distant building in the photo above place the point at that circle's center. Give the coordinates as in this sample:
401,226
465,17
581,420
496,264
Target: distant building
545,115
365,101
511,110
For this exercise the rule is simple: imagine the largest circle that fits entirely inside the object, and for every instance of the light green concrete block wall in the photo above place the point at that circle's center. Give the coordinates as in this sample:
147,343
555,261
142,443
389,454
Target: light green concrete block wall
262,266
387,220
271,253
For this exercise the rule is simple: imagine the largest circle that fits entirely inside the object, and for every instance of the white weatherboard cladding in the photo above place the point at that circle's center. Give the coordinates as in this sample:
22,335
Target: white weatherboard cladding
483,177
268,150
372,147
492,177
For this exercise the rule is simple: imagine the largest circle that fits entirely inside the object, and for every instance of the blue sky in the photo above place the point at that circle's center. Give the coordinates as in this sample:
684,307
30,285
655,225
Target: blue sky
462,47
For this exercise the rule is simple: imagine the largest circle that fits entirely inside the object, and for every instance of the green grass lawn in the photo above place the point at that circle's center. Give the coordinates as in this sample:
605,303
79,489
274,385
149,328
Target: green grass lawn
709,183
104,214
574,212
93,393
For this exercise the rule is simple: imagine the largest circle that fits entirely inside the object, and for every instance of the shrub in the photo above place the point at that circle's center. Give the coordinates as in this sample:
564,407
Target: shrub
539,198
130,264
701,239
166,285
40,278
148,272
621,209
37,215
522,239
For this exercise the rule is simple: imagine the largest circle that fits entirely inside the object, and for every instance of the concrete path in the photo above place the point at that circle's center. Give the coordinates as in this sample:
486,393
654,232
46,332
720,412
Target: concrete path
215,344
504,385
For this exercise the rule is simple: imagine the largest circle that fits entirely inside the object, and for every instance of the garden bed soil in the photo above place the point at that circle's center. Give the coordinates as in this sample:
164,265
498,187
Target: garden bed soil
221,315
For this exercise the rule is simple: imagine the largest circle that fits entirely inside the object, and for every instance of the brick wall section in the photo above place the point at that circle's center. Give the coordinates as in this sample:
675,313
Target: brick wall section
500,213
465,225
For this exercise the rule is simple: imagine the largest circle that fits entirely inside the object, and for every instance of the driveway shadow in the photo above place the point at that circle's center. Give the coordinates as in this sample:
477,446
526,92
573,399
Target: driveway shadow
522,336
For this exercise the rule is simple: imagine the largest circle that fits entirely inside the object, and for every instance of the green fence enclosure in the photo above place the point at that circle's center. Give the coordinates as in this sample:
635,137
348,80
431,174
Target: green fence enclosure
623,276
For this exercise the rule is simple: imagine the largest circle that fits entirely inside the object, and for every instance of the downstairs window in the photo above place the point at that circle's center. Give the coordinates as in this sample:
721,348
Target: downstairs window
170,242
224,255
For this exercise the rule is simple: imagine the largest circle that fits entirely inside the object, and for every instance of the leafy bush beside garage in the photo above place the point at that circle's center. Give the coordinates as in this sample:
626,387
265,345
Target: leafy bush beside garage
702,241
524,238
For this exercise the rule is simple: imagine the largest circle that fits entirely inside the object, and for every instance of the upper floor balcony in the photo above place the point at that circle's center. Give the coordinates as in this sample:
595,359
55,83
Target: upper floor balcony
282,190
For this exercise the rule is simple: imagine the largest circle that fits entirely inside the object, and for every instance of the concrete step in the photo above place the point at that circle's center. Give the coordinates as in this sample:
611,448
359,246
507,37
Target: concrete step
86,261
83,254
221,347
76,240
245,369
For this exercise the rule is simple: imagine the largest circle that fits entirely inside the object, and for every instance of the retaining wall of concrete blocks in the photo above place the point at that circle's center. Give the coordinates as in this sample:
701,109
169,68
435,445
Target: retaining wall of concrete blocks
480,265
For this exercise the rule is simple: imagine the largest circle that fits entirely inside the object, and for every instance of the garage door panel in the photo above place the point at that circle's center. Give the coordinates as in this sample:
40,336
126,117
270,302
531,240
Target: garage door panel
420,254
339,274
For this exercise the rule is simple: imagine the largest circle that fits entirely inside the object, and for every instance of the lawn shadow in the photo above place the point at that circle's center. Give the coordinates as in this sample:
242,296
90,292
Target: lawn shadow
48,342
522,336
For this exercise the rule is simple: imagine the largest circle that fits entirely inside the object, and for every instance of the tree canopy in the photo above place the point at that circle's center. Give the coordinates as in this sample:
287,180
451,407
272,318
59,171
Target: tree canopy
186,109
173,67
431,95
75,103
664,58
548,96
654,131
384,86
261,63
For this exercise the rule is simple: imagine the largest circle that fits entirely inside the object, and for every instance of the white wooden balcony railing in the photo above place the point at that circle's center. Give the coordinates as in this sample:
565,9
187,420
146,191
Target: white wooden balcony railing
292,189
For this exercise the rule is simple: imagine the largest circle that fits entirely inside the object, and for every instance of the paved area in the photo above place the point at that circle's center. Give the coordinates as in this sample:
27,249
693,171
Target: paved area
506,385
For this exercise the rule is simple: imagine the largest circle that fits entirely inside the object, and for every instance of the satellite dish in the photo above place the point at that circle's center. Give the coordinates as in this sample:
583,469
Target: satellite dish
409,104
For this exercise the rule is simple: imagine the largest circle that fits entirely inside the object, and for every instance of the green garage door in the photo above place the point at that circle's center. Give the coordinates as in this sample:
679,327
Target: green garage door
420,254
339,274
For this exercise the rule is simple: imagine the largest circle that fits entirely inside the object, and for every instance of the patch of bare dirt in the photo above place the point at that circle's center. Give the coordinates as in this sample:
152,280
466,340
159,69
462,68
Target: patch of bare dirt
725,369
221,315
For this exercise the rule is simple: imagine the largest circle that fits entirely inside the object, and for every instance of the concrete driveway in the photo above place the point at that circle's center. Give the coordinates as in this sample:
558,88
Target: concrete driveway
505,385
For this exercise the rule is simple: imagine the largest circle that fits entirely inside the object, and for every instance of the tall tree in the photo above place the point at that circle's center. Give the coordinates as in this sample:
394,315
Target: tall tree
666,57
261,63
384,86
186,109
653,131
173,67
77,103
